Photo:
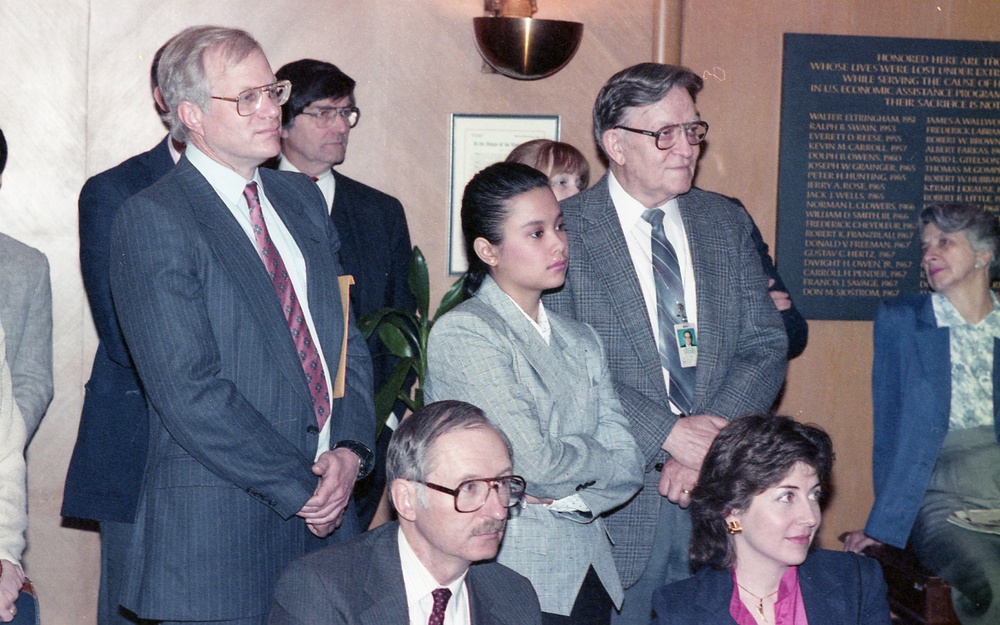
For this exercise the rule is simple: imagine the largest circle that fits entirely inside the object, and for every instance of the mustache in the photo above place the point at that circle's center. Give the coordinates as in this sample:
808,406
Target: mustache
490,527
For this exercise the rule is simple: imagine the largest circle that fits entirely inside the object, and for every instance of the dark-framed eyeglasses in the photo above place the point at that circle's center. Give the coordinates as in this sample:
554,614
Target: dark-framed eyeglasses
667,136
471,495
324,116
248,101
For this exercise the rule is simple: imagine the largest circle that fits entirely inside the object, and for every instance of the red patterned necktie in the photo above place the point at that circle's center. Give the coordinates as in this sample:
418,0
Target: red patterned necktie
441,596
312,366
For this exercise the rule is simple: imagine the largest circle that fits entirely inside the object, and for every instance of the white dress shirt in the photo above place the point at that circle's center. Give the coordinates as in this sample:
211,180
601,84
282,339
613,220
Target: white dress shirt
326,182
229,186
419,584
638,235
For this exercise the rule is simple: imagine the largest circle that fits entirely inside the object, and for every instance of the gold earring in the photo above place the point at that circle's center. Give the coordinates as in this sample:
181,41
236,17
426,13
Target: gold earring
734,527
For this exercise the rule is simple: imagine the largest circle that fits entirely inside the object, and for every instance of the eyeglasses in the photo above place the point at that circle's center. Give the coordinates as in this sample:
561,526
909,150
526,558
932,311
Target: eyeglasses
326,115
667,136
248,101
471,495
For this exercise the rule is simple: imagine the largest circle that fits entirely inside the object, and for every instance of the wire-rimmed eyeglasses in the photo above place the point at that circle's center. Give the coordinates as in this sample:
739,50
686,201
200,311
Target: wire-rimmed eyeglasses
248,101
324,116
471,495
667,136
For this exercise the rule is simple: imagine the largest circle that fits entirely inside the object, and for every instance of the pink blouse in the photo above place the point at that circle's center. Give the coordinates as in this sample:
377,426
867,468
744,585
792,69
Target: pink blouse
788,609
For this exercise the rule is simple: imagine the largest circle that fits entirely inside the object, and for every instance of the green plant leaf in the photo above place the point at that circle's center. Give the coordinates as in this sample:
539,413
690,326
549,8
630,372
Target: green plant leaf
420,284
395,341
452,297
369,322
391,389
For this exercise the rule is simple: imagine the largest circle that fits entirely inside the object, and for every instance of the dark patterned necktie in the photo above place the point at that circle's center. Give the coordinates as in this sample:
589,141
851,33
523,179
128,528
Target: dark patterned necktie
312,366
441,597
669,298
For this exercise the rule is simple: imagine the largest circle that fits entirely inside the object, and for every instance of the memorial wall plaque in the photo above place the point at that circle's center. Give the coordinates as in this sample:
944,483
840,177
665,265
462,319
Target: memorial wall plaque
872,129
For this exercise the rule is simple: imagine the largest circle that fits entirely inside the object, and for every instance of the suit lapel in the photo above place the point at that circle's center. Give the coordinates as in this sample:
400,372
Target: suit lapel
824,591
324,291
483,609
385,592
699,231
556,367
934,354
234,252
603,238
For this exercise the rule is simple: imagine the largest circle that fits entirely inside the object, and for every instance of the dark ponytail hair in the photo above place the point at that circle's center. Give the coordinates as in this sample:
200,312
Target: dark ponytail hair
485,210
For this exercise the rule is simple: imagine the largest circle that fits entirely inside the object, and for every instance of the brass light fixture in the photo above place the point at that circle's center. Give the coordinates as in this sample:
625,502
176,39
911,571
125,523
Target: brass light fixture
517,45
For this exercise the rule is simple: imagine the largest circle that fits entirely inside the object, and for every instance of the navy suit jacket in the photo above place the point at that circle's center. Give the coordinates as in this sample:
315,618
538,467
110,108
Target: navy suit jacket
374,248
911,396
361,583
742,343
838,588
232,429
796,326
105,472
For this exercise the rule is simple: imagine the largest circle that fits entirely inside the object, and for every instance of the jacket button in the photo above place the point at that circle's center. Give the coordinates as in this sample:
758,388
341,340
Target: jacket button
312,429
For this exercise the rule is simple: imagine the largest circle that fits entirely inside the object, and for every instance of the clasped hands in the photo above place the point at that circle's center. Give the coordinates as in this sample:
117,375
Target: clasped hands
11,580
687,444
337,471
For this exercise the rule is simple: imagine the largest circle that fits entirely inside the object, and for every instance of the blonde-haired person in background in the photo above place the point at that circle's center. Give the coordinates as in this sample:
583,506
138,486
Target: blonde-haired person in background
566,167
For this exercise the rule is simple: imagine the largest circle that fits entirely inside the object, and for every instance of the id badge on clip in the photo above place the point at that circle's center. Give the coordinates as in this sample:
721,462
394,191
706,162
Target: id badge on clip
687,343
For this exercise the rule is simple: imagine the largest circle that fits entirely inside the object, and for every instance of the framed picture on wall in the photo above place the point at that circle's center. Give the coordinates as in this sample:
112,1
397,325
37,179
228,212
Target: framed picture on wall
478,141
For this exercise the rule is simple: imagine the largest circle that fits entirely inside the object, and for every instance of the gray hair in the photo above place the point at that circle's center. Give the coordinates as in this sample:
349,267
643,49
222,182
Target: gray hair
639,85
409,455
181,71
979,226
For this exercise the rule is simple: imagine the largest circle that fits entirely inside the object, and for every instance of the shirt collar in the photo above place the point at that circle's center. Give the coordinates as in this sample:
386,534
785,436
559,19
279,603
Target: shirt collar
226,182
417,579
286,165
629,209
946,315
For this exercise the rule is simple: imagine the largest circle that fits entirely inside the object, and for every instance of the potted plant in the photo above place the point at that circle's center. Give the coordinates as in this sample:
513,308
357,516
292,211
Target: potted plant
404,333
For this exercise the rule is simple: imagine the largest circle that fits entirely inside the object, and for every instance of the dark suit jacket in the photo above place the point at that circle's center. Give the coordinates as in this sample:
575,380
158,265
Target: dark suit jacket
741,341
105,472
911,396
232,429
837,589
374,248
795,324
361,583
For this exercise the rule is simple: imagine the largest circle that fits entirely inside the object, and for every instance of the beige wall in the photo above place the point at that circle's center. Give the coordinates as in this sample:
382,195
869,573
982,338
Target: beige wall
74,81
738,47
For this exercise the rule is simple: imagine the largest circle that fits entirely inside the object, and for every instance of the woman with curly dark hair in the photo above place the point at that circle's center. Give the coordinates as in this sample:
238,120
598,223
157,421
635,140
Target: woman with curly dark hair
755,514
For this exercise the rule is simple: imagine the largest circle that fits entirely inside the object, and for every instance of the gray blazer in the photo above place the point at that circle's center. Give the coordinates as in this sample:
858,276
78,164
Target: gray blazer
361,583
232,433
557,405
26,315
741,340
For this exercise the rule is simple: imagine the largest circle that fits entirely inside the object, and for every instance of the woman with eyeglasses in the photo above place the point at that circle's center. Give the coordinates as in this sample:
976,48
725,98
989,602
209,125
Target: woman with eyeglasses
754,515
544,381
935,385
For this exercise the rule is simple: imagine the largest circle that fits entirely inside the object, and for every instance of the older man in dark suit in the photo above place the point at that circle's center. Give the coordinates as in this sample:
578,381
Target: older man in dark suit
225,281
451,481
105,471
651,258
374,238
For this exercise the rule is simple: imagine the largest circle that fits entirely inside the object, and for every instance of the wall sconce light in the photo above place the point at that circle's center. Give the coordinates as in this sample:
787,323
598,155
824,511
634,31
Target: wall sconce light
520,46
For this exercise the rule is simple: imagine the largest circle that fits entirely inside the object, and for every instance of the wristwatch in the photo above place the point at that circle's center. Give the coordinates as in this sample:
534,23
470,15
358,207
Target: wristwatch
366,455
